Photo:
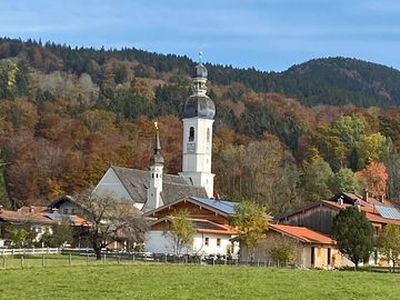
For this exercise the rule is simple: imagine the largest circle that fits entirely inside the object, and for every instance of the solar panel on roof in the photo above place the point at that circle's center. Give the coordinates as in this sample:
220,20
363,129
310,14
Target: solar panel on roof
58,216
388,212
222,205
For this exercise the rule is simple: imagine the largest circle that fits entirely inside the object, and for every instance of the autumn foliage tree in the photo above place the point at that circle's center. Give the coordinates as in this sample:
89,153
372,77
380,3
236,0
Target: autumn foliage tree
374,177
389,244
251,222
67,114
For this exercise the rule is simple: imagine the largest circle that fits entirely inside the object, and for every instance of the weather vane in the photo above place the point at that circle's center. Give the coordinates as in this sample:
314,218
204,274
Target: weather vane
200,56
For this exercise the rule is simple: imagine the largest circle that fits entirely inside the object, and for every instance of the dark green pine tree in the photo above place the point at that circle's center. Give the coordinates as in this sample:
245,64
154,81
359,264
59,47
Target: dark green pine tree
354,235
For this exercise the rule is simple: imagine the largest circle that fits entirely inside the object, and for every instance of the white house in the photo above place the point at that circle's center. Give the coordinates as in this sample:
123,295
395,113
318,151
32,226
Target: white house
210,219
210,238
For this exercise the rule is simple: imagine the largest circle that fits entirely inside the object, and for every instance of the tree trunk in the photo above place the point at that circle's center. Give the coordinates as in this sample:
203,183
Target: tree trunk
356,266
97,251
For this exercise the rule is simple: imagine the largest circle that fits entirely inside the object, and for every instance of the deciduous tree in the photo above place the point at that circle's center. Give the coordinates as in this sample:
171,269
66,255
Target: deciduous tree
345,181
110,220
251,222
374,177
282,250
389,243
316,179
181,232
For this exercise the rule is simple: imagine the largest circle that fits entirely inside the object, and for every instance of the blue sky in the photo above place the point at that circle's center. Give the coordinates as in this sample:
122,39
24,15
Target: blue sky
266,34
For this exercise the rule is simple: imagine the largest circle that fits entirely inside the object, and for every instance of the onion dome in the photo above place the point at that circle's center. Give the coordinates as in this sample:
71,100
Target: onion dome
199,104
200,71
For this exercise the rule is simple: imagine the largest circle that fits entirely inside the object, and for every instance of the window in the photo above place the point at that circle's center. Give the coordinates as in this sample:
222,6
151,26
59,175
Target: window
156,175
208,135
312,256
206,241
329,256
218,242
65,211
376,228
152,175
191,134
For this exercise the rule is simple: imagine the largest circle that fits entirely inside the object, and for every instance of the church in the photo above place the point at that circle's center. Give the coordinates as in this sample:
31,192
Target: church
149,190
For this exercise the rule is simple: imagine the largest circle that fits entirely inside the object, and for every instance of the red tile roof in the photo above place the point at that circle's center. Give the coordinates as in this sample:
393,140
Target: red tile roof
24,216
203,226
37,215
303,234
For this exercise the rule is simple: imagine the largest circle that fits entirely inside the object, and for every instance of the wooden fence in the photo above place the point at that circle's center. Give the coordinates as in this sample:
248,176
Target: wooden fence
30,251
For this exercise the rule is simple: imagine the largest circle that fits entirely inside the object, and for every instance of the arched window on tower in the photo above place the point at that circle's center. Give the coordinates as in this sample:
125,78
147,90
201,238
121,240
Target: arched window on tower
191,134
208,135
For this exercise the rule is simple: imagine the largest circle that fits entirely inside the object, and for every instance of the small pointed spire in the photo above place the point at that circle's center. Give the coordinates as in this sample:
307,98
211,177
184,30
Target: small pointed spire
200,56
157,144
157,157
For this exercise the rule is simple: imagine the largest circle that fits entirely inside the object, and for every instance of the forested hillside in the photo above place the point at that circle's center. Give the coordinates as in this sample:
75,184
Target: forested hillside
282,139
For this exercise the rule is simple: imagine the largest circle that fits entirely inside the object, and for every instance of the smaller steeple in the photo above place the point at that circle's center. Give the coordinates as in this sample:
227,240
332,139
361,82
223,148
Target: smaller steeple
156,174
157,158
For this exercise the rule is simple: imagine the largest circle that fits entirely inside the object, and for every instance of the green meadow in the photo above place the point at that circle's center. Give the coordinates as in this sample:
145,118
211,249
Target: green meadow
134,280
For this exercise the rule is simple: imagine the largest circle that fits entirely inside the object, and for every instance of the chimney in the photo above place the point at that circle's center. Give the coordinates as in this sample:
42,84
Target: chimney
31,209
1,209
365,195
340,200
357,204
381,198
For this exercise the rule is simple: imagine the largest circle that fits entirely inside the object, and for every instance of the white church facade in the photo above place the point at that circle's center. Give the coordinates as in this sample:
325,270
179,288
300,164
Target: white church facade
152,189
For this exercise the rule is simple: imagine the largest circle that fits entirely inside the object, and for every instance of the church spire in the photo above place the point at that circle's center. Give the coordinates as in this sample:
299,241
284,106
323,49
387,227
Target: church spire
157,158
200,78
156,174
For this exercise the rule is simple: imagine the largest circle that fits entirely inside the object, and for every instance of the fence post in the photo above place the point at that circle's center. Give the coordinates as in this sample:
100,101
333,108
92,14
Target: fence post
4,262
70,259
104,258
87,259
119,259
43,261
22,262
133,257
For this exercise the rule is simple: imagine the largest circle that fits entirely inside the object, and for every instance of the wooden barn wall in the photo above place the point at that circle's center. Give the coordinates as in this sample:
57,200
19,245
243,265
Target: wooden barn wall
319,218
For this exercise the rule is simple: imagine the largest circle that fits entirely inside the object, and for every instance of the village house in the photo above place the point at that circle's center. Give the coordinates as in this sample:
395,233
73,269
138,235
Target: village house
69,207
319,215
37,220
312,249
210,219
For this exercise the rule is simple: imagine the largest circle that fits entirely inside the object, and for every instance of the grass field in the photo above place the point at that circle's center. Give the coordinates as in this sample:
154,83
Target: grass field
151,280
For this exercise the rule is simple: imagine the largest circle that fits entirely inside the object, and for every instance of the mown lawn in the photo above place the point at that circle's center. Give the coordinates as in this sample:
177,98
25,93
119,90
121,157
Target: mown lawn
159,281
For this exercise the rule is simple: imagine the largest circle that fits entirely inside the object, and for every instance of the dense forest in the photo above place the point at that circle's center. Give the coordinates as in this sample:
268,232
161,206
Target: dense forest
282,139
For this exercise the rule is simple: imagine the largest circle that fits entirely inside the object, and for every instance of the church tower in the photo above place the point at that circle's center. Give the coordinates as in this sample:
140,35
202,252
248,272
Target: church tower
156,175
198,119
